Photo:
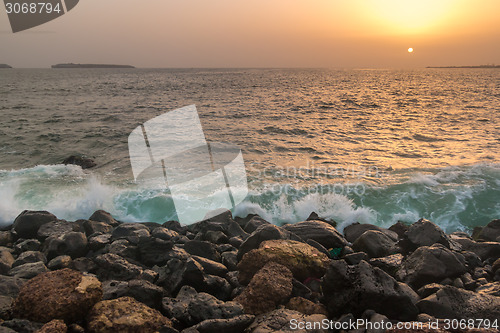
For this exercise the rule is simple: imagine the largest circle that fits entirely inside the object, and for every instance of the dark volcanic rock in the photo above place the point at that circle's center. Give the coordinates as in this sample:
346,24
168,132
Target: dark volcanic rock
63,294
451,302
29,257
59,262
113,267
124,314
491,232
6,261
430,264
279,321
375,243
233,325
103,216
212,267
23,245
72,243
370,287
203,249
389,264
29,270
424,233
20,325
10,285
133,232
92,227
85,163
5,307
177,273
269,287
484,250
155,251
302,259
254,223
55,228
143,291
26,225
318,231
353,231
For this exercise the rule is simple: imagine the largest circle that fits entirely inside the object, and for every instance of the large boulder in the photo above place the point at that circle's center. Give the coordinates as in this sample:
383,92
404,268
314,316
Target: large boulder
72,243
63,294
113,267
142,290
103,216
376,244
125,315
269,287
10,285
484,250
424,233
430,264
133,232
454,303
55,228
302,259
285,320
83,162
355,288
353,231
26,225
320,231
490,232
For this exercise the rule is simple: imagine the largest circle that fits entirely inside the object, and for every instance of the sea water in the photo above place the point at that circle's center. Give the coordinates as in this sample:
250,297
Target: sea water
373,146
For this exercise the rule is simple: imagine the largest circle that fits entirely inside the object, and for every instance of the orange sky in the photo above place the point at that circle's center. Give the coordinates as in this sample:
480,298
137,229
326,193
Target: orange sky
262,33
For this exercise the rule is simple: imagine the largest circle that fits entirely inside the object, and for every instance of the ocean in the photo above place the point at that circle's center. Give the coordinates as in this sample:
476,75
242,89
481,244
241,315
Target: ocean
373,146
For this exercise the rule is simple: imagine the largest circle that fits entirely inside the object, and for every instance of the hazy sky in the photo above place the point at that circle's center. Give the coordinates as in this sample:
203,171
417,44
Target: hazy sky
262,33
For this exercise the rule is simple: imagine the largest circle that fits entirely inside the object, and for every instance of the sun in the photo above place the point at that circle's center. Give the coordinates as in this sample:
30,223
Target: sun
410,50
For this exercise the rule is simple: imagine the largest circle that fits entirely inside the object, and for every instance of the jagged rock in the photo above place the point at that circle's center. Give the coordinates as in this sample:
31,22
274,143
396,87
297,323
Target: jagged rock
165,234
191,307
430,264
424,233
10,285
154,251
264,233
175,226
63,294
305,306
389,264
20,325
492,289
29,270
302,259
491,231
355,258
29,257
233,325
319,231
102,216
93,227
113,267
202,249
133,232
6,307
375,243
143,291
126,315
269,287
353,231
254,223
484,250
59,262
84,162
177,273
370,287
399,228
123,248
284,320
6,261
229,259
23,245
211,267
451,302
99,241
54,228
26,225
72,243
54,326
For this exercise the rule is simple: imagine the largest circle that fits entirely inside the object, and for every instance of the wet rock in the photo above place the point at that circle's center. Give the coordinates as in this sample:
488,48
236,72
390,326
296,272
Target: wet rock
54,326
375,243
430,264
6,261
29,270
21,325
203,249
264,233
59,262
371,287
490,232
191,307
233,325
284,320
6,307
84,162
54,228
141,290
389,264
254,223
269,287
10,285
124,314
353,231
113,267
319,231
63,294
102,216
154,251
424,233
26,225
211,267
302,259
451,302
94,227
305,306
29,257
133,232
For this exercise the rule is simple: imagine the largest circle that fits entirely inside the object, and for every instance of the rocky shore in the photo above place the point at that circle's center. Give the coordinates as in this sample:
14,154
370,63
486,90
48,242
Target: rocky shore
242,275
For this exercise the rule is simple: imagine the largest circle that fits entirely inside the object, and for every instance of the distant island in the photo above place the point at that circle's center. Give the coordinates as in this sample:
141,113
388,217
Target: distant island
480,66
5,66
71,65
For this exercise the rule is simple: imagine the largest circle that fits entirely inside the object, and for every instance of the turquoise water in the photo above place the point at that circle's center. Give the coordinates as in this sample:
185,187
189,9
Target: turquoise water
368,146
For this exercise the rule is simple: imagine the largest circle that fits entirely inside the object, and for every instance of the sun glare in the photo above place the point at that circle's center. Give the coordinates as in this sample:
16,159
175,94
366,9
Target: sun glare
410,50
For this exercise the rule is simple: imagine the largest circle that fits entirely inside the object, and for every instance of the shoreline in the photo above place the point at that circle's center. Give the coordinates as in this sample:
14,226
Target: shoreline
243,274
